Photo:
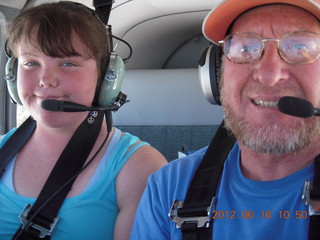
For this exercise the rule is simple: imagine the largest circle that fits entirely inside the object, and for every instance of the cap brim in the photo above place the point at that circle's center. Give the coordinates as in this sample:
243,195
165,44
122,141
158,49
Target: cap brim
220,18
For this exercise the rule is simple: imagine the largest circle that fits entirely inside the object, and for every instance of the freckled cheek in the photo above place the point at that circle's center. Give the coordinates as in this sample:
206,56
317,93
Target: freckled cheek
313,95
25,84
84,91
231,95
234,82
91,92
92,86
308,79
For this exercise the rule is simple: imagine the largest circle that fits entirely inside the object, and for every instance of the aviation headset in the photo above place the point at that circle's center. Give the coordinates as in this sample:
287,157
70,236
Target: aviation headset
210,73
110,86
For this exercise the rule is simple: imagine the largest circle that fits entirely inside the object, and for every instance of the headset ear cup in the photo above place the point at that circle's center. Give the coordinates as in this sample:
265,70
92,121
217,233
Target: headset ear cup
209,73
112,82
11,79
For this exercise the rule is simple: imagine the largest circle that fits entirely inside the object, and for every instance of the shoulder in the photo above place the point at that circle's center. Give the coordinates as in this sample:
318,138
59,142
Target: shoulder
4,138
165,186
141,152
179,171
144,160
190,160
132,179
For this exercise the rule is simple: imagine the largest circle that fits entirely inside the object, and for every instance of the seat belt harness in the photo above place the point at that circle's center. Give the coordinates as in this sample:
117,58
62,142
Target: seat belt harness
39,220
16,142
311,197
194,214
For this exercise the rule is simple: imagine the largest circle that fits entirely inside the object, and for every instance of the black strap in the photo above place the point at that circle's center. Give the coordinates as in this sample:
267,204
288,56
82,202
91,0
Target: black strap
314,224
16,142
204,184
314,228
103,9
190,231
55,190
315,191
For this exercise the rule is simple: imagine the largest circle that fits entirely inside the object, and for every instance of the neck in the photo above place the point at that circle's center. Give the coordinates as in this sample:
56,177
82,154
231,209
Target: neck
56,138
268,167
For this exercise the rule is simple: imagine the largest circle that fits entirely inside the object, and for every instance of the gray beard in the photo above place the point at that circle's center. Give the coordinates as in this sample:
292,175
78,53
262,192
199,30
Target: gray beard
271,138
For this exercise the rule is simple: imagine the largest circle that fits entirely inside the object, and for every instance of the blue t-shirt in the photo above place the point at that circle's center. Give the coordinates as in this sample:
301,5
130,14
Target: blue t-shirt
91,214
246,209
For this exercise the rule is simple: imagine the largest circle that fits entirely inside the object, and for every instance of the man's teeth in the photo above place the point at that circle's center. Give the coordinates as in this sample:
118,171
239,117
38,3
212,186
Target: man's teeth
269,104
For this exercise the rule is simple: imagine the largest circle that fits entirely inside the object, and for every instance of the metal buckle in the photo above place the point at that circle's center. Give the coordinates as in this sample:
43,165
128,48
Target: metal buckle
201,221
120,100
27,224
314,206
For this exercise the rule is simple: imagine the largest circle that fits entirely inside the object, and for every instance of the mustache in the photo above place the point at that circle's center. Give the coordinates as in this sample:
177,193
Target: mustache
274,90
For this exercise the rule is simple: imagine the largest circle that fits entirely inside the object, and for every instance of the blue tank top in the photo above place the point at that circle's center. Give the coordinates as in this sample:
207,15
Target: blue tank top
90,215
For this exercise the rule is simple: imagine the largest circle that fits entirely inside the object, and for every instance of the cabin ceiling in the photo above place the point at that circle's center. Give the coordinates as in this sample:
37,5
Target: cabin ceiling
163,34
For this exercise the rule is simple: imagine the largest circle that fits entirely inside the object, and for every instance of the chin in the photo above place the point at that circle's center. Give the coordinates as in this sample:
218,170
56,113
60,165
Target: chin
273,137
59,119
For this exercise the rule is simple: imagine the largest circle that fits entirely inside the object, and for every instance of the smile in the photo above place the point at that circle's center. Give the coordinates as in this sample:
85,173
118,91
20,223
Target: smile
268,104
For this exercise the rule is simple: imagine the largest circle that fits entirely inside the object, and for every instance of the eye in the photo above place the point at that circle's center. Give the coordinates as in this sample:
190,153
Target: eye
296,48
247,49
300,44
30,64
243,51
300,47
68,64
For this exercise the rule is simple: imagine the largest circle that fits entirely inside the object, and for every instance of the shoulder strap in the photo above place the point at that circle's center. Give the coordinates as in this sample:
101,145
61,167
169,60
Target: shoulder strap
200,200
16,142
39,220
314,225
194,214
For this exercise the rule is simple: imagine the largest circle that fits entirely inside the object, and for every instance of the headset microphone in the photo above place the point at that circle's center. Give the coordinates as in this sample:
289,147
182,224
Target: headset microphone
297,107
64,106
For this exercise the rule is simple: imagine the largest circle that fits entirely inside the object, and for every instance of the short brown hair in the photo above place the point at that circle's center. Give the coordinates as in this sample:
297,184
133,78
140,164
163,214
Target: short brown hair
56,23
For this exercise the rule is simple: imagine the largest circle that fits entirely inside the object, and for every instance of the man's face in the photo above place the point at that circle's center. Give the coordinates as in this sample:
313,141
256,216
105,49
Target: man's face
250,91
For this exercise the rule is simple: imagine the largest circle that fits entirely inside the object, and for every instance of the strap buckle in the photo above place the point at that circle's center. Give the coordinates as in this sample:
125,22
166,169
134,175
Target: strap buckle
27,224
313,204
192,215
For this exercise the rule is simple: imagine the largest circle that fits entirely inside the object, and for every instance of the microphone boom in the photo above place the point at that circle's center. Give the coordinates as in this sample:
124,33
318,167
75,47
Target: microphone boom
296,107
65,106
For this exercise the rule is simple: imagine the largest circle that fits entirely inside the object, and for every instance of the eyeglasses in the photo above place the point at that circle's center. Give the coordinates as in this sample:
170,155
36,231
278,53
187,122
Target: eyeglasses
296,47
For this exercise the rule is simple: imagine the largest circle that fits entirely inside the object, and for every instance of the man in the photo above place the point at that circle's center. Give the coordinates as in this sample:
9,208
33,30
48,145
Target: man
270,50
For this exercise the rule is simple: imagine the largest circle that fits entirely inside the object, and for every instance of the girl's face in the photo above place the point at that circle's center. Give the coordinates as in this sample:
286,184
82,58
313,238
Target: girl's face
42,77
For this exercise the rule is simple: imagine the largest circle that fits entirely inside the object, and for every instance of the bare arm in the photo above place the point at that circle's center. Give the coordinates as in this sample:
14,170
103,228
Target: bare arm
130,185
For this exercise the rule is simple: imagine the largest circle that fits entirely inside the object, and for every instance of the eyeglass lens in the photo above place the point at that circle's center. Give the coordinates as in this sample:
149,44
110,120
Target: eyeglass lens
296,47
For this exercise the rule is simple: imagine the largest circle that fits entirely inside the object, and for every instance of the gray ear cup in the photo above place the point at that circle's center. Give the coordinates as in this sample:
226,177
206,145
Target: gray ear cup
112,82
11,79
209,73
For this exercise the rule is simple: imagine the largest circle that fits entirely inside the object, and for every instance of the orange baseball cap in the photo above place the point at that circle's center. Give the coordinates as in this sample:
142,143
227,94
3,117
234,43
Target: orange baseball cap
220,18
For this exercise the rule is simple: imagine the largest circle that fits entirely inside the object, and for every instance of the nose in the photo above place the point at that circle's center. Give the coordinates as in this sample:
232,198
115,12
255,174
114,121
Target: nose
48,78
270,69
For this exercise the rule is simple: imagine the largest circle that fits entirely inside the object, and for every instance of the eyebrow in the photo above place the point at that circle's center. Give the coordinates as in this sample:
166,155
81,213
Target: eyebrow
31,54
24,53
